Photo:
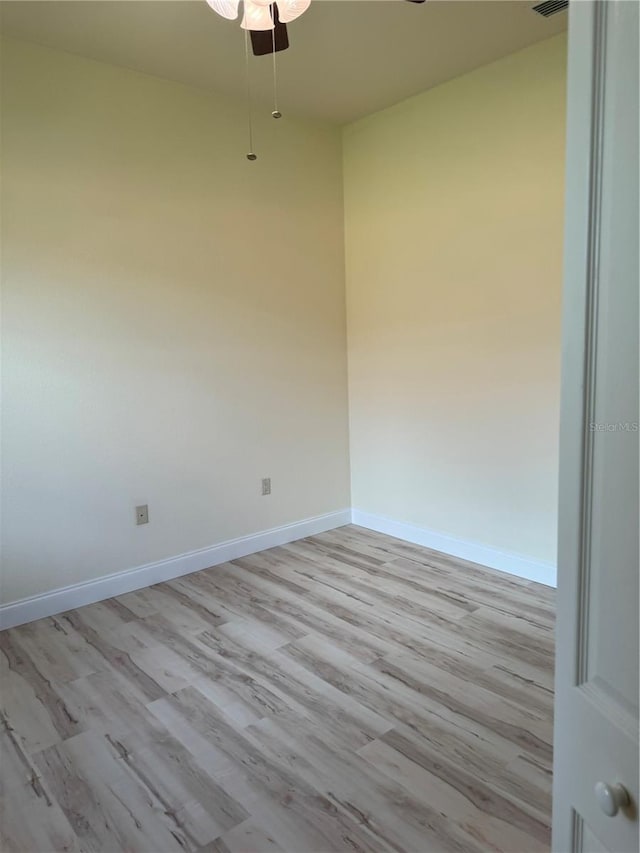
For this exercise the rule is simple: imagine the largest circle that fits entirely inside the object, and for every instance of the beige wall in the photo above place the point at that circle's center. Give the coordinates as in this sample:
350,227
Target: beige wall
173,316
174,322
454,228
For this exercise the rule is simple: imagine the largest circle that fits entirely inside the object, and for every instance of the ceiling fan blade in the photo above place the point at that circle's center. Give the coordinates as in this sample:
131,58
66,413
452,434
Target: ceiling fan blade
262,40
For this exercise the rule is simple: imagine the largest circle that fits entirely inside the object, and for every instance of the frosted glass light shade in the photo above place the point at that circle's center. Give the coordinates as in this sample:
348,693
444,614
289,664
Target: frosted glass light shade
289,10
226,8
256,17
257,13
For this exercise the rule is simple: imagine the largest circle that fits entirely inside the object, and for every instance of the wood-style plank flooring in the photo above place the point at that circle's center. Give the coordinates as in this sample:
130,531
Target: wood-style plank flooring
347,692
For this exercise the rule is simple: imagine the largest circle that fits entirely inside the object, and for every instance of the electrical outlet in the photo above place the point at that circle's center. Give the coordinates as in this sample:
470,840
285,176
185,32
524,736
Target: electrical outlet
266,486
142,514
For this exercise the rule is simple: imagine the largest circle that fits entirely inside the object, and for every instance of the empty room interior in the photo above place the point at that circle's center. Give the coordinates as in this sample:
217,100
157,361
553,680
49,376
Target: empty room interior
281,403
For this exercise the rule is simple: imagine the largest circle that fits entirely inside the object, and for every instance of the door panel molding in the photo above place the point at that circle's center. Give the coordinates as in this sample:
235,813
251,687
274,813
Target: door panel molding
591,334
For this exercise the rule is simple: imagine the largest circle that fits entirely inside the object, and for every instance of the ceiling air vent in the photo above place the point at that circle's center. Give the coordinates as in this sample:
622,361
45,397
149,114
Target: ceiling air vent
551,7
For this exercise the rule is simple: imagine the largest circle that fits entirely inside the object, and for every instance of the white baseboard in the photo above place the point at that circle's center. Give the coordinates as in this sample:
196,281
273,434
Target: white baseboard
70,597
513,564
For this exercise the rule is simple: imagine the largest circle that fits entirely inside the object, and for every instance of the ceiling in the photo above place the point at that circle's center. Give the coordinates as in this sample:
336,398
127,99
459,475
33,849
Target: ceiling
348,58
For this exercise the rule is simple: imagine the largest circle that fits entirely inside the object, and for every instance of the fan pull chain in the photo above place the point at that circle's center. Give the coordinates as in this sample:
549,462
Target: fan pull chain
276,112
250,154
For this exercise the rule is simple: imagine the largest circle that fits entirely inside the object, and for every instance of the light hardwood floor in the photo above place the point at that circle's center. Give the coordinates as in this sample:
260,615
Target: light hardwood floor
347,692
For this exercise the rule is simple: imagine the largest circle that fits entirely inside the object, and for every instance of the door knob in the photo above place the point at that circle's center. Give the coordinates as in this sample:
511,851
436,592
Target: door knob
611,798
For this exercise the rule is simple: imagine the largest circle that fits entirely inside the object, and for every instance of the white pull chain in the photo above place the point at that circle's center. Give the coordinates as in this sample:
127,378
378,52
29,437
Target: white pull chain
250,154
276,112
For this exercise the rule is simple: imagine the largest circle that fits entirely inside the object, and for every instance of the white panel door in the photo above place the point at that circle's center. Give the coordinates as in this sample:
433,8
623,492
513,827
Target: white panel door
596,718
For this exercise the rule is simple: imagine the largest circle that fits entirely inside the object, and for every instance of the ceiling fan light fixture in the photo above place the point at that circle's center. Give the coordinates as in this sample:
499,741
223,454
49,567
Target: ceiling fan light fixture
226,8
256,16
264,24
